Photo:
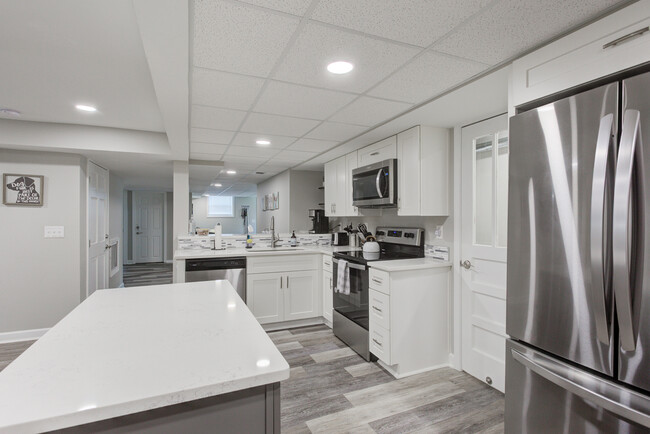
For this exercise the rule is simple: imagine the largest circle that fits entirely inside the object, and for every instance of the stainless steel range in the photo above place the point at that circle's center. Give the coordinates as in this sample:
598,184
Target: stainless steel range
350,316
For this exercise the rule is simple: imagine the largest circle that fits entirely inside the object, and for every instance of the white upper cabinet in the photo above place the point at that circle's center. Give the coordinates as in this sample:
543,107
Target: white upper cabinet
351,162
612,44
423,172
380,151
336,179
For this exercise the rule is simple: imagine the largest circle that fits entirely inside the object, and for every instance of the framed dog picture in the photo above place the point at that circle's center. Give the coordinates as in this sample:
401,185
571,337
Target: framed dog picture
22,190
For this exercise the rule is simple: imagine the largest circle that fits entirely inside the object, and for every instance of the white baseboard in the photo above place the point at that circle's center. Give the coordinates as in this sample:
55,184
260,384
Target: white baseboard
454,362
293,324
392,371
129,262
169,261
22,335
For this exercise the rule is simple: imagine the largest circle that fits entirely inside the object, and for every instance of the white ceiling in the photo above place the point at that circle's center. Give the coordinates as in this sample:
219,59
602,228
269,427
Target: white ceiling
259,71
56,54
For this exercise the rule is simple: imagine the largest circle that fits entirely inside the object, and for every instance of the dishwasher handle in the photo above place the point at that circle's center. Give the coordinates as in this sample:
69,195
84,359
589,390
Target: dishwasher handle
214,264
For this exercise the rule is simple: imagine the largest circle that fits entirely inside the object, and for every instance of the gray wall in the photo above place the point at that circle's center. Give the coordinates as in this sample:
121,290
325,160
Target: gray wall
41,279
229,225
304,196
278,184
115,222
169,235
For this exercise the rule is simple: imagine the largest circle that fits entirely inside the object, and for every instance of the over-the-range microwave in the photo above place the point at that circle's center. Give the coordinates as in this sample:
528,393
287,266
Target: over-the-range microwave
375,185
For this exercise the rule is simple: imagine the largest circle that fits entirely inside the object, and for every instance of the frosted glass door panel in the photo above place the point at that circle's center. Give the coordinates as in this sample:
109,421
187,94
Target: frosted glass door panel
483,176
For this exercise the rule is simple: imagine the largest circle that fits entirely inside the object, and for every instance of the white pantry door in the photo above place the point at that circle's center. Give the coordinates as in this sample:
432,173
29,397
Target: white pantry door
97,226
484,190
148,224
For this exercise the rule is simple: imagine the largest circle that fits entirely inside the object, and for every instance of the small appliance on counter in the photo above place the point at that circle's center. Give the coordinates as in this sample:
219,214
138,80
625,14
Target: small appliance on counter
340,239
320,223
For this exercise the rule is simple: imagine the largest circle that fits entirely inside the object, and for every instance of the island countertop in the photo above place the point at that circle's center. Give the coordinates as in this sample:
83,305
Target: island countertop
123,351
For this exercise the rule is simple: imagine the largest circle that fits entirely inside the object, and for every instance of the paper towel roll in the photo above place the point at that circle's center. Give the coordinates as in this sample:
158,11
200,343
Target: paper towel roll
217,236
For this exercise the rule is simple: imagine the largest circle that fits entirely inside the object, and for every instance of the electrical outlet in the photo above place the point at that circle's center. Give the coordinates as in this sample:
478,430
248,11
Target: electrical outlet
438,233
53,232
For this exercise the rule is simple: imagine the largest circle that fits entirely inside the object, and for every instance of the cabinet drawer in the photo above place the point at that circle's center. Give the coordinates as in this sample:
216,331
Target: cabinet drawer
380,343
379,151
281,263
327,263
379,309
379,280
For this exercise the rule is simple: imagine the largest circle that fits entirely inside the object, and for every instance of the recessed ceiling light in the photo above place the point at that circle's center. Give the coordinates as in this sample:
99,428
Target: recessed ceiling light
340,67
9,112
85,108
216,184
231,172
263,142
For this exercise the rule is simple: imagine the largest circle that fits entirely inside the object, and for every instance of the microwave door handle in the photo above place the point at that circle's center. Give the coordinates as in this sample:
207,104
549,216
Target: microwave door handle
621,227
600,196
377,181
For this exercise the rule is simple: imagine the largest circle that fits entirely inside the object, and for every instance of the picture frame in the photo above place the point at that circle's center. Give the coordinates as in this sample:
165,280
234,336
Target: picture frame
22,190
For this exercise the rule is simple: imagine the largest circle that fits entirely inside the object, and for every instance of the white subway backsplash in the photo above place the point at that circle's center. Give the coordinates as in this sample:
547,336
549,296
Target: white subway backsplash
190,242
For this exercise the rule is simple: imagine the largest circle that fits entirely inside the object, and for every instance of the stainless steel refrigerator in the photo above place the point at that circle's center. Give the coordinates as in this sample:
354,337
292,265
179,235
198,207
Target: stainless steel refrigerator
578,296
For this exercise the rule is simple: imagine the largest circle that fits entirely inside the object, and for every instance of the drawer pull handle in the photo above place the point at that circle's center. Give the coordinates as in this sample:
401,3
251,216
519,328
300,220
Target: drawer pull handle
377,342
375,153
377,309
377,280
626,37
328,264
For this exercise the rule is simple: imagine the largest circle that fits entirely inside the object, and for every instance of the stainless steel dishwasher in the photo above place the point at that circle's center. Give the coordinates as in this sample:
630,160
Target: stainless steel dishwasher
230,269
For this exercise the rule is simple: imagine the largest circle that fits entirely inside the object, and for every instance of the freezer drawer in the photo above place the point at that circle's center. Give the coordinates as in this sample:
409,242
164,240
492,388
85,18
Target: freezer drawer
544,395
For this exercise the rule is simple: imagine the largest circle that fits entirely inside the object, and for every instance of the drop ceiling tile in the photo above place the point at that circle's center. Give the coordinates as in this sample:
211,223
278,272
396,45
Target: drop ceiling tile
301,101
204,157
311,145
277,125
223,89
253,152
242,166
417,22
514,26
216,118
277,142
238,38
207,148
246,160
294,7
211,136
335,131
292,156
370,111
427,76
318,45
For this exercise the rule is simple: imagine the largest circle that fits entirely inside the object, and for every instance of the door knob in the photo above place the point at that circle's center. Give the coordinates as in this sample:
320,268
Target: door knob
466,264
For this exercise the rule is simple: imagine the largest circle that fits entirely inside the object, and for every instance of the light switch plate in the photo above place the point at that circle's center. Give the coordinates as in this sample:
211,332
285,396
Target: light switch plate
438,233
54,232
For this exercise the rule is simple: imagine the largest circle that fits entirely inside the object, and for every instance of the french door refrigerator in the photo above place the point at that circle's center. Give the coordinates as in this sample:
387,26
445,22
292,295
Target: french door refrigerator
578,288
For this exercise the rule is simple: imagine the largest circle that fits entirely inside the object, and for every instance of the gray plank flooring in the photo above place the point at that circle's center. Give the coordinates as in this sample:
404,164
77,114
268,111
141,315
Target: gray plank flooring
147,274
333,390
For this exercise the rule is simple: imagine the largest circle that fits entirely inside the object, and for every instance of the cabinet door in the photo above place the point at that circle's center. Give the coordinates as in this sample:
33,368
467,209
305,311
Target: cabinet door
264,297
434,171
301,295
382,150
331,187
328,301
351,162
341,187
408,172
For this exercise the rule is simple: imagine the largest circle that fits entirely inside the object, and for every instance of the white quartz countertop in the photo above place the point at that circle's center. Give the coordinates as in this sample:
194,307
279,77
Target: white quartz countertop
409,264
124,351
259,251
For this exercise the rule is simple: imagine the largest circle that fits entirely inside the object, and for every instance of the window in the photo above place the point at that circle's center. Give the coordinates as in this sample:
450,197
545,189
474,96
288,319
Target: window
221,206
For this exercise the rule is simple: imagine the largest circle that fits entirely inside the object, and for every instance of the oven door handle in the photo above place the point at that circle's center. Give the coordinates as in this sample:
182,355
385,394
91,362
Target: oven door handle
351,265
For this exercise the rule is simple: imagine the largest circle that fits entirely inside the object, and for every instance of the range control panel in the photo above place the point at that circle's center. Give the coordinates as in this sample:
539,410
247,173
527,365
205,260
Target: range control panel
406,236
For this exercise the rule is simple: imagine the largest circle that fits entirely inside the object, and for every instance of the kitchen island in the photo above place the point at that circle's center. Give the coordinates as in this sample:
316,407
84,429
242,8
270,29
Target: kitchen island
181,357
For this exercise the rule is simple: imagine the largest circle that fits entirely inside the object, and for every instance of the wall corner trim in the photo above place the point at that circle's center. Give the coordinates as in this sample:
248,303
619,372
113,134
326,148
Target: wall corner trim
22,335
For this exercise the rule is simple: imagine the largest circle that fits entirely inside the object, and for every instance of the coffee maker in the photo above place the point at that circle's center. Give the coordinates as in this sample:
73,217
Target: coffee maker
320,223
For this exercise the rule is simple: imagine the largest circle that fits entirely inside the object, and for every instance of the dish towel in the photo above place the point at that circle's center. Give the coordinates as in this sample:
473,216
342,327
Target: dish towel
343,278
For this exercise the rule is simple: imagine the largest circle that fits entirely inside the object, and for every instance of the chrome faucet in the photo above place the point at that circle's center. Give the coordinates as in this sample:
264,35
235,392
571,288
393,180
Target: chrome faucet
274,238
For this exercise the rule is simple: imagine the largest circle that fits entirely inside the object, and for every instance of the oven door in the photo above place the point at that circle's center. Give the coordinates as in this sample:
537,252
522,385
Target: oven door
353,306
375,185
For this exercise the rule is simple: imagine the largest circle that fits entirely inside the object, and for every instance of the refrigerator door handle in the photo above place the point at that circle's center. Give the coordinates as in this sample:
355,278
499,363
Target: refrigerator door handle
570,380
604,163
621,227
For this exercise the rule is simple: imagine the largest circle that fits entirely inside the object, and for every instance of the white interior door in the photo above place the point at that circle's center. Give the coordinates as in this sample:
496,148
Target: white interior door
484,203
148,226
97,228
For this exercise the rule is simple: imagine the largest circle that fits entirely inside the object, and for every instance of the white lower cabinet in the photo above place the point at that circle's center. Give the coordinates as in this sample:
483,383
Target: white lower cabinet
328,297
409,319
283,295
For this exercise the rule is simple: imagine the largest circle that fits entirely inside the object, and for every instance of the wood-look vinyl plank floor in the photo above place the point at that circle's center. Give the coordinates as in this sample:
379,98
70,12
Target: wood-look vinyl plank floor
147,274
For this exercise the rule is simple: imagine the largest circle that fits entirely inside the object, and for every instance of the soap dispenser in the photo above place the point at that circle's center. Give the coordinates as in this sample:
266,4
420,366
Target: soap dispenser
294,240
